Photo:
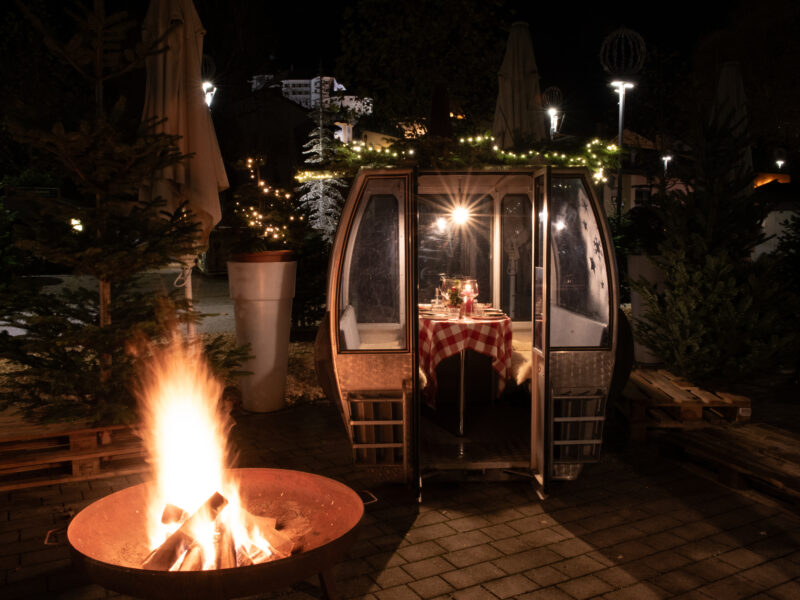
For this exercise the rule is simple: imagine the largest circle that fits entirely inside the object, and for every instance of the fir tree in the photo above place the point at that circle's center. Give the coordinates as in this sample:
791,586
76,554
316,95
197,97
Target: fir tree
717,317
74,359
321,192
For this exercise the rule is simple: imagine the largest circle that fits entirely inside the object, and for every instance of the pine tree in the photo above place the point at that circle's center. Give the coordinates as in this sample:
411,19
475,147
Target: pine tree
321,192
716,318
74,359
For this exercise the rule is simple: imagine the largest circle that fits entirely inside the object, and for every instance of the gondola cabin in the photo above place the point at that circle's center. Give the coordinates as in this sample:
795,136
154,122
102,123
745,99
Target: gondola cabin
472,321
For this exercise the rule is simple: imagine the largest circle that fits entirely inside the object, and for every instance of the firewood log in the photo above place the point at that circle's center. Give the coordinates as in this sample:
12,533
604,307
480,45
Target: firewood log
225,548
280,544
173,514
163,557
193,561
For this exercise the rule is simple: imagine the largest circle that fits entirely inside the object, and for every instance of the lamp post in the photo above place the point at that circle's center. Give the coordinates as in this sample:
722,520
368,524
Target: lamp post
622,56
552,99
620,87
666,160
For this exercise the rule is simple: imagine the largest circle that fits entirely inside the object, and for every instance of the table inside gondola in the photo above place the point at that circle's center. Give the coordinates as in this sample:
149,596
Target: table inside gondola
440,338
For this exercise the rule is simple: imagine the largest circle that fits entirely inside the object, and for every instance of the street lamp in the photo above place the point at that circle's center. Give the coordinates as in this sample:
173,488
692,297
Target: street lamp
666,159
552,99
622,56
553,113
209,89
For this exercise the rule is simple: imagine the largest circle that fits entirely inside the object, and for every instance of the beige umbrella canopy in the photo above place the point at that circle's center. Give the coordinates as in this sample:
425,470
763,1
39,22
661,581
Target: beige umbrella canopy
519,112
174,92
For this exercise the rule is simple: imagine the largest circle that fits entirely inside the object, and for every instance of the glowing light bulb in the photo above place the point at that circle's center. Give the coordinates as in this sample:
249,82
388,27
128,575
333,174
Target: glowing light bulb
441,224
460,215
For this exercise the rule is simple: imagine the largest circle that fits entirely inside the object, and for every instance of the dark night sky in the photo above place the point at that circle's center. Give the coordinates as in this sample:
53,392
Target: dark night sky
566,39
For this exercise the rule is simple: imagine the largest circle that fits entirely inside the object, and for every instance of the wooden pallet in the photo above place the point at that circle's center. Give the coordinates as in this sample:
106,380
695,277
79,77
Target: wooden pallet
378,426
754,455
32,455
655,398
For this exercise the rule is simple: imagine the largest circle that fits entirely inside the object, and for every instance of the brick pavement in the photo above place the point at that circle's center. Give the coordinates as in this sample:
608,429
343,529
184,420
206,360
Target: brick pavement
633,527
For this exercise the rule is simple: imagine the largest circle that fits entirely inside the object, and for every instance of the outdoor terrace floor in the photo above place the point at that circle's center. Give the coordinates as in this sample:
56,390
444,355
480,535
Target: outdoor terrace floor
635,526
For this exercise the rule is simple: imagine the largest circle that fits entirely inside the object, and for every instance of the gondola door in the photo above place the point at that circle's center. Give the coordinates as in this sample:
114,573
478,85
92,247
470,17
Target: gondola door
541,426
370,321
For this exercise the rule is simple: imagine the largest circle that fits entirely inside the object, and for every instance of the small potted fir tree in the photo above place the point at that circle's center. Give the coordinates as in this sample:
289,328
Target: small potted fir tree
261,277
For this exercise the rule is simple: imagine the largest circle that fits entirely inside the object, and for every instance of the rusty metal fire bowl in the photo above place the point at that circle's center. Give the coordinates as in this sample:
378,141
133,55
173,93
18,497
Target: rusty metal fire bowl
108,538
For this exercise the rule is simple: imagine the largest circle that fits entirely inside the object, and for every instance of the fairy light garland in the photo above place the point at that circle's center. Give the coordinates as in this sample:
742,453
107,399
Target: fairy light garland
259,212
597,155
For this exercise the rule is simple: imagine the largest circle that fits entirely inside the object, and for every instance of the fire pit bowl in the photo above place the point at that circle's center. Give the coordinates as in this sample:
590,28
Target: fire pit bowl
109,542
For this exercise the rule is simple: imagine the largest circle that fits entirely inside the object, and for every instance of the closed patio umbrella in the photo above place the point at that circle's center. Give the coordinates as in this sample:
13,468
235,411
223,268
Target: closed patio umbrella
174,92
519,114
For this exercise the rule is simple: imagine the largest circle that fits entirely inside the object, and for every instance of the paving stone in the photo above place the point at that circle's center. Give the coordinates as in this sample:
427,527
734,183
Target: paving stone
588,586
631,550
429,518
401,592
730,588
517,563
666,561
711,569
612,536
472,555
578,566
476,592
430,566
638,591
551,593
543,537
511,586
618,577
499,532
545,576
430,532
474,575
772,573
571,547
695,530
787,591
531,523
678,581
663,540
383,560
741,558
416,552
430,587
503,515
463,540
391,577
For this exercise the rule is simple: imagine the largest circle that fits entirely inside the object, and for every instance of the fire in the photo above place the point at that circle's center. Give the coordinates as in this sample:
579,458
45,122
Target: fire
194,515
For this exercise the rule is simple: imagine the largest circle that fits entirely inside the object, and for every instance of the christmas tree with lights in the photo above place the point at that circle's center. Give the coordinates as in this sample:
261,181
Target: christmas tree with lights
321,190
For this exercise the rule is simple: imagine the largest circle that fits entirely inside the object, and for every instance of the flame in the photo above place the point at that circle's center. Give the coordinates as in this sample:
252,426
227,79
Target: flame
185,431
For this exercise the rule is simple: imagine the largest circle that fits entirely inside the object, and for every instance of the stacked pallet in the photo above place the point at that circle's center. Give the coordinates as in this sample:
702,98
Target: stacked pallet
760,456
33,455
655,398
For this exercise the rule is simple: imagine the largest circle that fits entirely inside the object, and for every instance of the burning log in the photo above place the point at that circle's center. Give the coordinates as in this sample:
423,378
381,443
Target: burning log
173,514
193,561
280,544
163,557
225,548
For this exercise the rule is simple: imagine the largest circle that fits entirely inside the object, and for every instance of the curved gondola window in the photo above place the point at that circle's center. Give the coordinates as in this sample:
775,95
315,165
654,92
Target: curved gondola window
371,305
454,239
515,295
579,291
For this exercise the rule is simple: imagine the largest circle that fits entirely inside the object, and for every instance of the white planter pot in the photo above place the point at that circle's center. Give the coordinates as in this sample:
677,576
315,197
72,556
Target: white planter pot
640,266
262,294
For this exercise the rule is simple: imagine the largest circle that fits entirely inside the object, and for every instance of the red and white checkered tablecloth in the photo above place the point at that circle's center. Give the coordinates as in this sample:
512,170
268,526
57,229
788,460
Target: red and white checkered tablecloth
440,339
